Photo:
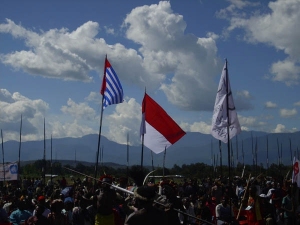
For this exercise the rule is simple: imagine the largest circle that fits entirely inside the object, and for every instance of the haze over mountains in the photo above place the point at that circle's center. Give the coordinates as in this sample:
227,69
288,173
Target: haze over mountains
194,147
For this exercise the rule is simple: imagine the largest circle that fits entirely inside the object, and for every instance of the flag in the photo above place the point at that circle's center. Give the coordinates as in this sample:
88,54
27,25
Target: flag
220,117
296,175
159,129
111,89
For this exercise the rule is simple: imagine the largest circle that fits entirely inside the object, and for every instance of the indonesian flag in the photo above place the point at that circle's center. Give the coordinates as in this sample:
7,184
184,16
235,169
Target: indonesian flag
159,129
296,175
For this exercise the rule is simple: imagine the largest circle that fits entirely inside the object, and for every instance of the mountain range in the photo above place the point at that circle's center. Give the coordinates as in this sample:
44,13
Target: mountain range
194,147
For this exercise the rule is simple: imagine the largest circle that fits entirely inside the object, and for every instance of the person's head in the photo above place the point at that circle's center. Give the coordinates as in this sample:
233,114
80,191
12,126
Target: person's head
22,205
105,181
57,206
41,200
224,200
39,209
144,195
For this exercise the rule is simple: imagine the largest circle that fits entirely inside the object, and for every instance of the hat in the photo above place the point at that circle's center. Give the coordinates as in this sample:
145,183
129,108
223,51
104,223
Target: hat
41,198
145,193
263,196
106,178
268,182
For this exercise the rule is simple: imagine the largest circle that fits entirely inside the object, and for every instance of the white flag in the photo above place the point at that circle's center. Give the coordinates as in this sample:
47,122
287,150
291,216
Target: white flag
220,117
296,175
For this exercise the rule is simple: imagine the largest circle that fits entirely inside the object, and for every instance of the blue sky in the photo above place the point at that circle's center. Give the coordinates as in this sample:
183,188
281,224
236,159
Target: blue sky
52,55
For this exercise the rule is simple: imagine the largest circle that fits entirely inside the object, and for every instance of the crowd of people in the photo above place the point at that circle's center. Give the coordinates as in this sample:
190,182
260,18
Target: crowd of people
113,201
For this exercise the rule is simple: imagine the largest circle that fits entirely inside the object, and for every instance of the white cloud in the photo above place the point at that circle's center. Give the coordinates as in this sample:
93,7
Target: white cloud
270,104
279,129
287,113
125,119
201,127
168,51
72,129
277,27
12,106
79,111
94,97
297,103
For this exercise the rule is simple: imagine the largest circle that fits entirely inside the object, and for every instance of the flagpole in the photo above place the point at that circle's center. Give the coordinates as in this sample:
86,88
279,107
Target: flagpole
3,159
211,156
127,171
165,152
228,124
142,153
44,160
278,152
256,156
243,156
51,160
19,161
99,134
267,153
220,148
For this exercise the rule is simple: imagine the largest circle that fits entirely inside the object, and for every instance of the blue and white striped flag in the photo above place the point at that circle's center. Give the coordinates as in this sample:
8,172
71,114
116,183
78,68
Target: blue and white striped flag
111,89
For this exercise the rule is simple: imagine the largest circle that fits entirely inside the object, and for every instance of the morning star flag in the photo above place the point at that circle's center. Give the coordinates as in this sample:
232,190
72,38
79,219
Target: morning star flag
111,89
295,174
159,129
220,117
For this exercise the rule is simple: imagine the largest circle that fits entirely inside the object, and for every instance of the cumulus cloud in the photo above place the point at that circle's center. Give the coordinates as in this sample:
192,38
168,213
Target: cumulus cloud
79,111
297,103
270,104
279,129
277,27
15,105
201,127
125,119
288,113
168,50
69,129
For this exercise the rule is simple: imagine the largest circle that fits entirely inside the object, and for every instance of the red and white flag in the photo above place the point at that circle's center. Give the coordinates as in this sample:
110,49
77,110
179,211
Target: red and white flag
296,174
159,129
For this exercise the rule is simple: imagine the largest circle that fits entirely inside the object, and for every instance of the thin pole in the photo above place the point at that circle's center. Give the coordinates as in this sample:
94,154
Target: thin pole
99,135
237,151
211,156
220,148
253,158
267,153
291,151
152,160
143,134
44,160
127,171
243,155
278,152
256,156
3,159
228,136
51,160
19,161
165,152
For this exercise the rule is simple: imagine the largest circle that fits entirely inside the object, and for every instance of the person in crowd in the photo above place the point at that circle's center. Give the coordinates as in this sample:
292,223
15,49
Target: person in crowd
41,200
189,209
216,191
224,213
21,214
105,203
38,218
146,213
288,209
3,213
254,215
56,216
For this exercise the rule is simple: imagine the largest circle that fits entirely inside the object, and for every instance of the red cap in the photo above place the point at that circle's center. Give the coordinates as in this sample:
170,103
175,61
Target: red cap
41,198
